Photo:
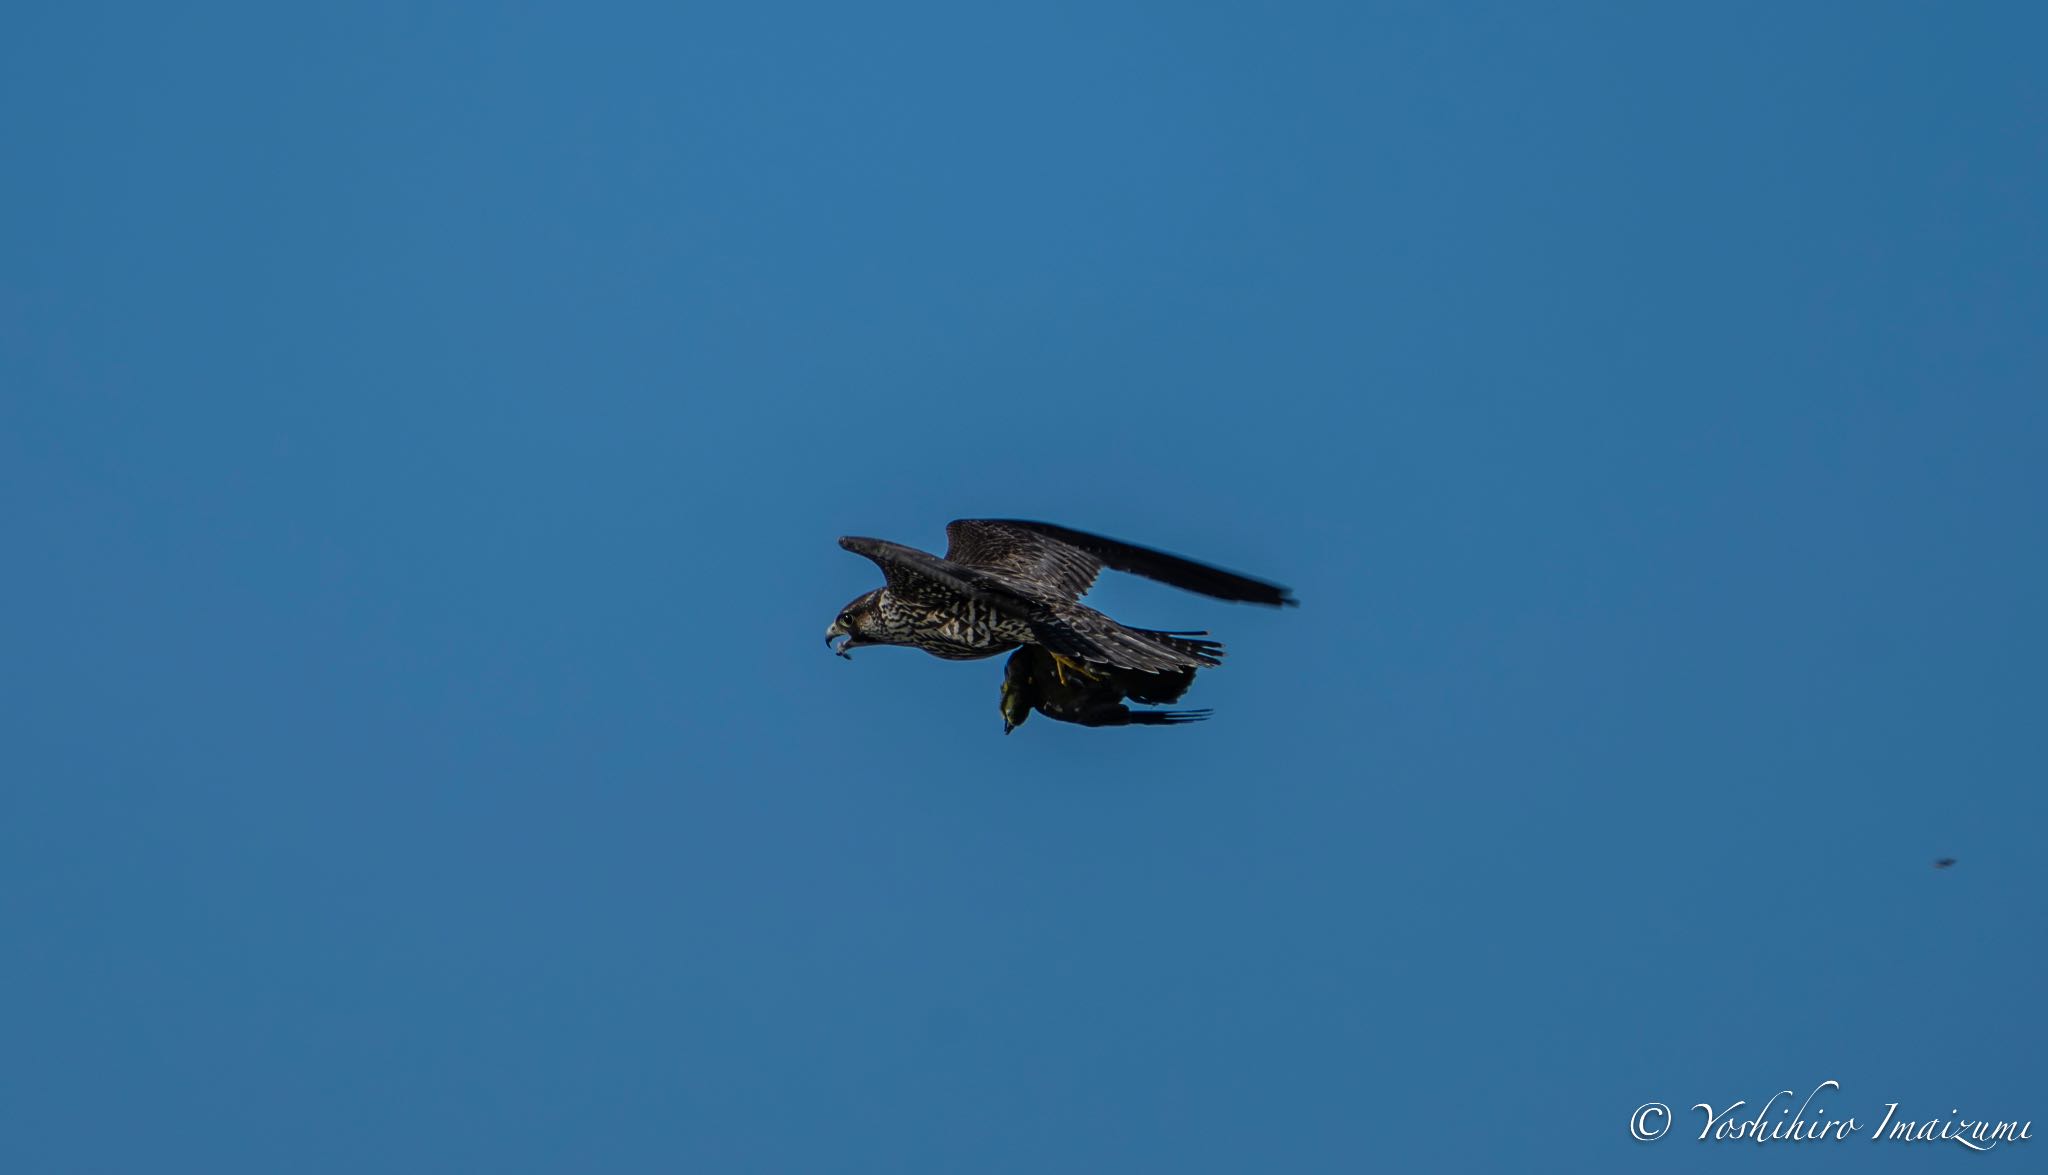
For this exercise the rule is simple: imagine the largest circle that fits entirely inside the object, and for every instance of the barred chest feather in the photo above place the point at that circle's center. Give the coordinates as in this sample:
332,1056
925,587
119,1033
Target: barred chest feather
963,631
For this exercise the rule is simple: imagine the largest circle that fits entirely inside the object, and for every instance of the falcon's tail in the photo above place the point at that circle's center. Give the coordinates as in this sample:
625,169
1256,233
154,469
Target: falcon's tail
1083,634
1184,643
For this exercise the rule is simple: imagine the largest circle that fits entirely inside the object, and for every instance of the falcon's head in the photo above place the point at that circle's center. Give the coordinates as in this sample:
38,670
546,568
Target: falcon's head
855,622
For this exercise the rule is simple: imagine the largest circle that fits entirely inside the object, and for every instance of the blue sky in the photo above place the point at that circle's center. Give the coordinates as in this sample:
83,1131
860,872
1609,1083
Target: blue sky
423,433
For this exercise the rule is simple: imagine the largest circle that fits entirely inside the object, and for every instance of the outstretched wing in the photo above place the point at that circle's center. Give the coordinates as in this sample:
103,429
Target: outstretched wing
928,579
1064,562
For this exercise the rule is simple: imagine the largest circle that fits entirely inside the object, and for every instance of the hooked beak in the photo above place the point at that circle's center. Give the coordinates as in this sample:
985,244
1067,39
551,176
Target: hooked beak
834,633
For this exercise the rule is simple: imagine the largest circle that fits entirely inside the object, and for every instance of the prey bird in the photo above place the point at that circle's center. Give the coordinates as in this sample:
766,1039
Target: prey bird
1033,681
1008,584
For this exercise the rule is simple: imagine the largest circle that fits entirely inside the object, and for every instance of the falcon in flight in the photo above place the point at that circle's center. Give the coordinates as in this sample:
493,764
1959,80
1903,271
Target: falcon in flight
1005,584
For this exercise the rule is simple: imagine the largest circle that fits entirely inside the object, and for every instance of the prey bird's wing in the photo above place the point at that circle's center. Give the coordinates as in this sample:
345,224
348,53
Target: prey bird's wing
1116,715
1064,563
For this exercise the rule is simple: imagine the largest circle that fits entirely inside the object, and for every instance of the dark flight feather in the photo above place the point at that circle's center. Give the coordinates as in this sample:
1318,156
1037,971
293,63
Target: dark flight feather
1072,559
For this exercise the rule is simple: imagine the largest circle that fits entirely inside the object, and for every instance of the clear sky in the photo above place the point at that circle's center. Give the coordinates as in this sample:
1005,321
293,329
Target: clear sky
423,435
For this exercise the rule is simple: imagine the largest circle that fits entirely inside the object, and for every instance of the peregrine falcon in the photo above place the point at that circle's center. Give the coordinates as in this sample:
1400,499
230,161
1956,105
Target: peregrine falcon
1006,584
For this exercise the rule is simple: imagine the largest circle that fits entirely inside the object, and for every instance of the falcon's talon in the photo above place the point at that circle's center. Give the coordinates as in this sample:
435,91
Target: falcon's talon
1063,665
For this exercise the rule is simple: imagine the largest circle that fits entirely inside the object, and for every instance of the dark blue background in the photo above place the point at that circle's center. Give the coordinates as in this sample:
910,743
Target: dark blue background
423,433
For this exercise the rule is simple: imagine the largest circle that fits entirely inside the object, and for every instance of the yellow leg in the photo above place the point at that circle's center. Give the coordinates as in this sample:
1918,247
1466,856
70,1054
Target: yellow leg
1061,666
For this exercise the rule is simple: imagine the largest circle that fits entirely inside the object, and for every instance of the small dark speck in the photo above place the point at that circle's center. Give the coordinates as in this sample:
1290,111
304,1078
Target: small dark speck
1944,862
